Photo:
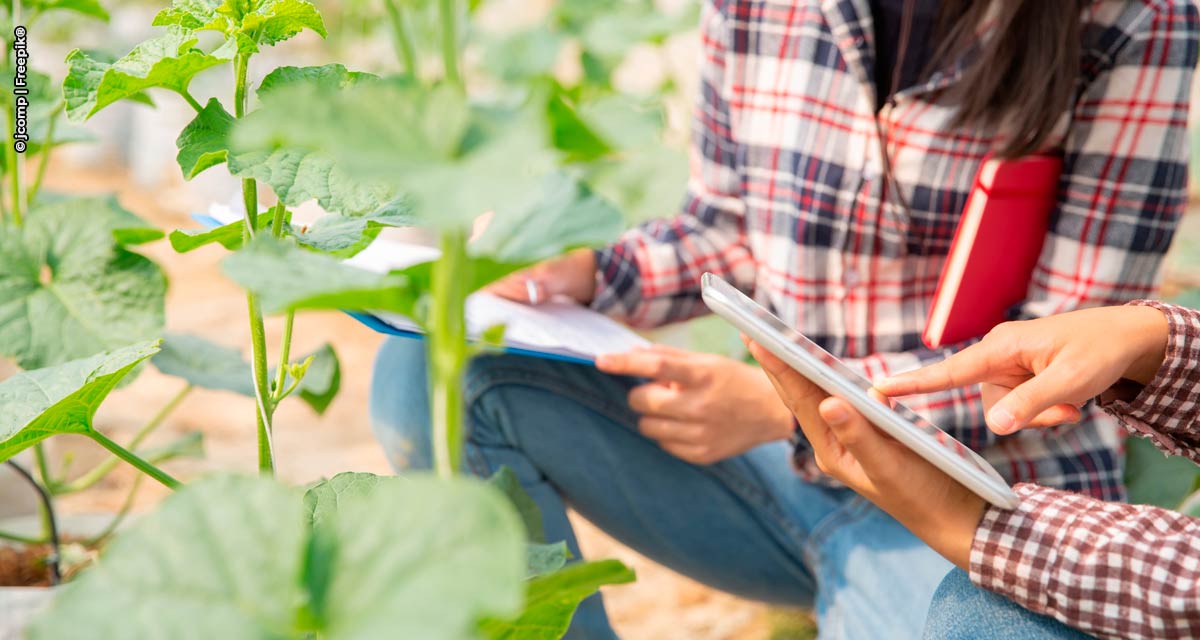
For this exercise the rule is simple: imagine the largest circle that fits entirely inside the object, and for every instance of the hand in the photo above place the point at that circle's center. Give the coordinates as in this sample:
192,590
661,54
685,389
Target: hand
1039,373
920,496
701,408
572,275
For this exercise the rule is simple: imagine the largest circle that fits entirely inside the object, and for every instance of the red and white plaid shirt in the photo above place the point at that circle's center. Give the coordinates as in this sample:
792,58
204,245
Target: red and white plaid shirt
786,201
1111,570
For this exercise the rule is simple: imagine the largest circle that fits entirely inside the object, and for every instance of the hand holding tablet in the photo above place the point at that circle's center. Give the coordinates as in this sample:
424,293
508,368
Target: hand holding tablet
826,372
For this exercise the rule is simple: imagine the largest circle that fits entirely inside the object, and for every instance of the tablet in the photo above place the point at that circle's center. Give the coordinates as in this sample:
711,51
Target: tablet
829,373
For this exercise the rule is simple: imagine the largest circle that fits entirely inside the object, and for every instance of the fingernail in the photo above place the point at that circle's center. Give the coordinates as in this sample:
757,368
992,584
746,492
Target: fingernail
1002,420
836,415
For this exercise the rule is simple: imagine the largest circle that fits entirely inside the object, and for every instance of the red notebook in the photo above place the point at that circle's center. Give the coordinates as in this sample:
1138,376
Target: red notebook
995,247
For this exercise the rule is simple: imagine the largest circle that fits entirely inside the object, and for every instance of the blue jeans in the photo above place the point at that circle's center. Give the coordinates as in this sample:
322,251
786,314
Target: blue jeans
747,525
963,611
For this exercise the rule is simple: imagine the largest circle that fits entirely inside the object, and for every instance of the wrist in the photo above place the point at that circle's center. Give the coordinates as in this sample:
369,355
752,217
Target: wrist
1150,332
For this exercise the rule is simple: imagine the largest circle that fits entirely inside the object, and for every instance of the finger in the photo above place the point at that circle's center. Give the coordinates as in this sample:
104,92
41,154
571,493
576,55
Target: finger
1029,399
688,452
974,364
668,430
874,454
1057,415
511,288
645,363
658,399
798,393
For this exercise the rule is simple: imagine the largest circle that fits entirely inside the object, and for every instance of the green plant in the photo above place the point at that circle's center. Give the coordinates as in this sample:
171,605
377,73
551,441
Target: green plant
523,161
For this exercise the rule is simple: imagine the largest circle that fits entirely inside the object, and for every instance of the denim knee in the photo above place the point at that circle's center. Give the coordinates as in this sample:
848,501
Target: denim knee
948,617
399,404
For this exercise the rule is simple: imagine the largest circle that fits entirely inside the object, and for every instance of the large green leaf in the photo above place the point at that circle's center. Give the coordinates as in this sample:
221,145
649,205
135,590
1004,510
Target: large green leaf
218,559
236,558
37,404
69,289
90,8
322,500
169,61
205,364
343,236
551,600
325,77
404,555
426,143
506,482
285,277
1154,478
566,216
227,235
249,23
204,142
297,176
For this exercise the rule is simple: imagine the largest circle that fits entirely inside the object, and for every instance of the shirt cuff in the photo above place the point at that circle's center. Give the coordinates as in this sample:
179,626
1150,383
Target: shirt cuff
1173,396
1013,548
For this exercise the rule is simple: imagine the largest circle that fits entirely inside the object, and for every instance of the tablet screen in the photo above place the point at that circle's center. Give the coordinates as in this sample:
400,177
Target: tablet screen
943,439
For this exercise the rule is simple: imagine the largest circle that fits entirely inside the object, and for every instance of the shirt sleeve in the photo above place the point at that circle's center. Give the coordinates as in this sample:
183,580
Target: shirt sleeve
1167,411
1111,570
651,275
1123,190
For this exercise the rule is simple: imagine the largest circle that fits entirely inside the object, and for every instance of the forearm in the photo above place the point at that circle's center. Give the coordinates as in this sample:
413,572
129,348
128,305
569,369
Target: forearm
1092,564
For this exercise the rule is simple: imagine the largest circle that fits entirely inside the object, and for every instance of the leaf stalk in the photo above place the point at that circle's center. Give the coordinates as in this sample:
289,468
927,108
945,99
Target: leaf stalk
135,460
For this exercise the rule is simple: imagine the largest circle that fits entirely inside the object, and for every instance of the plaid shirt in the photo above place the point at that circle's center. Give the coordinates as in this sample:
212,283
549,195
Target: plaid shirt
786,201
1112,570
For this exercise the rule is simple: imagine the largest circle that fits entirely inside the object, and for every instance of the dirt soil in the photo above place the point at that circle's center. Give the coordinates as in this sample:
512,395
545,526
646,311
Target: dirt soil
660,604
24,566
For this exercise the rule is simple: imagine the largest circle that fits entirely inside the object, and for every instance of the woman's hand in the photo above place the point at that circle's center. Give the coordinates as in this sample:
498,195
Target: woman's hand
572,275
1038,373
699,407
920,496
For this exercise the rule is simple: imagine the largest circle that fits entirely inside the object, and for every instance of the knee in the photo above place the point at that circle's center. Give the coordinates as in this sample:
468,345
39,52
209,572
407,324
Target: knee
949,614
399,403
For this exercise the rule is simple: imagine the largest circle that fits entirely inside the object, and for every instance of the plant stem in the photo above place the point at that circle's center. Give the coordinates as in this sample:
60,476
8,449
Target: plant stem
401,38
448,11
448,351
49,526
44,160
285,348
126,507
43,469
191,101
18,538
133,459
89,479
258,341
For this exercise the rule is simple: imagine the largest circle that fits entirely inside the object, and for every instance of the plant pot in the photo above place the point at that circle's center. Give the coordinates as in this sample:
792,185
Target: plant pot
18,606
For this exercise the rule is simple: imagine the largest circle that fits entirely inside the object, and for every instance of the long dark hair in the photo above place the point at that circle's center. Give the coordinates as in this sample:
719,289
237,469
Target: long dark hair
1024,75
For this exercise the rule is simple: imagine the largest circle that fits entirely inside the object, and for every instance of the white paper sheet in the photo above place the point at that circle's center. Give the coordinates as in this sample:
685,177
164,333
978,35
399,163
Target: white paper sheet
558,327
